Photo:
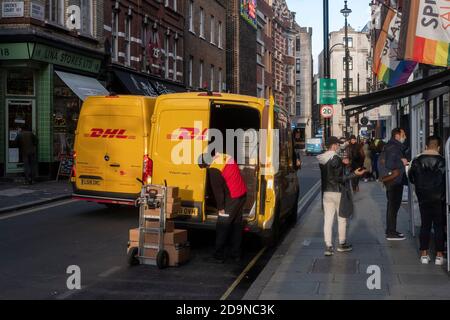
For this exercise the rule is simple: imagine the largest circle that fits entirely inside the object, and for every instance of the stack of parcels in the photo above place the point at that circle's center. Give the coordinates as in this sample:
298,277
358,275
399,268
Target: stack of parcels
173,205
175,242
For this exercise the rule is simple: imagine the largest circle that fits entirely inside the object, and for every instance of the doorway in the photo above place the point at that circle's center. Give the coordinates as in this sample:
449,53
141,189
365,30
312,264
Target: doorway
19,113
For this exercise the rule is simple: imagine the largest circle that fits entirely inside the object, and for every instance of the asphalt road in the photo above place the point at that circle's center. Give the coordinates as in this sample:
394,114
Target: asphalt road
38,245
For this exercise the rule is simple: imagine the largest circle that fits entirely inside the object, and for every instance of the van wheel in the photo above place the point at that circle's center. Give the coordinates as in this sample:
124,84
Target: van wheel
271,237
132,256
162,259
293,216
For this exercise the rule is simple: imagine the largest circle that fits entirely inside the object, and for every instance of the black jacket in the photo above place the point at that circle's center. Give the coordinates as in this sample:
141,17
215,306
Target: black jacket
332,173
395,152
427,173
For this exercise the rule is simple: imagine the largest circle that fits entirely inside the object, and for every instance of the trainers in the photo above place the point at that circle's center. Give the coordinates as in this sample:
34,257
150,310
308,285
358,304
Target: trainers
329,251
425,259
399,234
345,247
395,237
439,261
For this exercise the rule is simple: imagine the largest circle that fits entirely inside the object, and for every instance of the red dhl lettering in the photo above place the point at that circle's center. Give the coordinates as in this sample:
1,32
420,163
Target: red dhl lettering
188,134
108,134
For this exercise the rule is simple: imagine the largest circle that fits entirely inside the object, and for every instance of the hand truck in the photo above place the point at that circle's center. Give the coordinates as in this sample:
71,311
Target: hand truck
151,197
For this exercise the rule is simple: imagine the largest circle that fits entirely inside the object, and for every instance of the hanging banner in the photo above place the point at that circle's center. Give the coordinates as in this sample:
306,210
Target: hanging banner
426,32
387,67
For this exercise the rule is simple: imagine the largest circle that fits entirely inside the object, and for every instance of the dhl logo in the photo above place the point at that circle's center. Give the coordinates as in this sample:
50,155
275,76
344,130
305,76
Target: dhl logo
108,133
188,134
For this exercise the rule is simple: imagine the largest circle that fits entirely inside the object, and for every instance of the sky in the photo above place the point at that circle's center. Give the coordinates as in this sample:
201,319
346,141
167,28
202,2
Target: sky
310,14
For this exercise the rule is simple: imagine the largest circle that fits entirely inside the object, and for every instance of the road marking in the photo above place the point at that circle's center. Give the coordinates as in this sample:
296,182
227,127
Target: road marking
242,275
28,211
110,271
305,200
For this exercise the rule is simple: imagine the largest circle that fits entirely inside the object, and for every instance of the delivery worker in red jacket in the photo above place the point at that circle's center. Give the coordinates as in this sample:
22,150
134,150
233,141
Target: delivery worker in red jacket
230,193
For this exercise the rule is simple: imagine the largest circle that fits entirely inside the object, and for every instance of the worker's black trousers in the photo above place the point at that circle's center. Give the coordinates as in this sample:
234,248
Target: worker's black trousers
229,228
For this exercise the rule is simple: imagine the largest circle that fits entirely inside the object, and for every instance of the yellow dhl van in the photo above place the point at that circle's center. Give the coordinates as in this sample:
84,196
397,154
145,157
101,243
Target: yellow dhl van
111,149
184,120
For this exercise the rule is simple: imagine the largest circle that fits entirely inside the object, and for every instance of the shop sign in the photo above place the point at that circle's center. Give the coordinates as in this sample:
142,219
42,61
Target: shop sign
64,58
37,11
12,9
248,12
10,51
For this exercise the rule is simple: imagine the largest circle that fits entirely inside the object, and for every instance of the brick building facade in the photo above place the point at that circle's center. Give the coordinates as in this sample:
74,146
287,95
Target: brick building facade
144,44
264,53
205,44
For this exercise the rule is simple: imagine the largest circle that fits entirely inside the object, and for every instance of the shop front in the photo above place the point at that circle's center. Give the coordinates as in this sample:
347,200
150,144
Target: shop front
41,90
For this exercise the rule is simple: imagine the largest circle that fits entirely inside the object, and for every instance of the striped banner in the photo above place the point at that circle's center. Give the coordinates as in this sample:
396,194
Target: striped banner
426,32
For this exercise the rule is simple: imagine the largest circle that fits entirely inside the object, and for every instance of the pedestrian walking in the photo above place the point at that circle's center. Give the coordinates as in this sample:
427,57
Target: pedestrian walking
230,193
427,173
367,161
336,195
356,156
391,166
27,142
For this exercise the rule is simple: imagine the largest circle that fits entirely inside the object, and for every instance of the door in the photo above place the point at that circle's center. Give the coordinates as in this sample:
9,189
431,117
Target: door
20,113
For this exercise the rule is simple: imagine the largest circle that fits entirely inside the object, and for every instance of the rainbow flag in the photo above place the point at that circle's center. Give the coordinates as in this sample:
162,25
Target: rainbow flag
426,32
387,66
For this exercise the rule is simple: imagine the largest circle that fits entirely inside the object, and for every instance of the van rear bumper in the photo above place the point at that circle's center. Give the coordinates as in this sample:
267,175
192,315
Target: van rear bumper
105,197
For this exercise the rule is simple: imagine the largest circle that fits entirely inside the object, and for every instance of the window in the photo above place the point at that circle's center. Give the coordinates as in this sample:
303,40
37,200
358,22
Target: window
166,57
115,36
290,47
298,110
145,40
298,87
220,79
350,84
190,69
350,42
200,83
297,66
350,63
175,61
191,15
213,30
202,23
86,17
297,44
220,35
20,82
211,79
127,41
54,10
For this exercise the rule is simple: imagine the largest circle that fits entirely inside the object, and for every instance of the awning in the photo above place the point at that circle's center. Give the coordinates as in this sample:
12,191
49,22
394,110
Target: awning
165,87
82,86
363,103
136,84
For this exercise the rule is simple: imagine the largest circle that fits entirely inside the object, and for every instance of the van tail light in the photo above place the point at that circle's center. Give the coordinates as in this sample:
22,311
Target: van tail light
74,166
147,170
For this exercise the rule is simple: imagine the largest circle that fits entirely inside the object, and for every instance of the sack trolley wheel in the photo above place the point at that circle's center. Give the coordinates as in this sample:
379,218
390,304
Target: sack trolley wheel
162,259
132,258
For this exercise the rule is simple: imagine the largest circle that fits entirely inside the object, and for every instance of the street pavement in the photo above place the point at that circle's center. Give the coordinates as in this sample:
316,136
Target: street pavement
299,269
39,244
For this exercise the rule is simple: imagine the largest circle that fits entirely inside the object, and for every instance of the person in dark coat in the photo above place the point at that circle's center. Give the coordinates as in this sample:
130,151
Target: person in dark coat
427,173
356,155
27,143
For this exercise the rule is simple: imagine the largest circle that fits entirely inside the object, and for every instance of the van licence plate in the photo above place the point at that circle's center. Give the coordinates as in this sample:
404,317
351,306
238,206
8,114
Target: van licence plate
91,182
189,211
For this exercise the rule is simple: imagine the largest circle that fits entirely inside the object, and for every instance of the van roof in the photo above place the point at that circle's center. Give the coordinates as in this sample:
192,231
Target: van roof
215,95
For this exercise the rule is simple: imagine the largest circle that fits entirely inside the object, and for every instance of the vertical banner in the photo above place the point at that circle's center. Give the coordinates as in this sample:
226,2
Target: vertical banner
387,66
426,32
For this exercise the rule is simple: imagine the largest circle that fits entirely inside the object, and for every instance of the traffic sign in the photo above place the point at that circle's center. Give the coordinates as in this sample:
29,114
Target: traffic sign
327,91
327,111
364,121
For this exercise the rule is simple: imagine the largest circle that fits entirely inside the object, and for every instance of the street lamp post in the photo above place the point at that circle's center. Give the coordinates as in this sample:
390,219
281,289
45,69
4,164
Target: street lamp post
326,58
346,12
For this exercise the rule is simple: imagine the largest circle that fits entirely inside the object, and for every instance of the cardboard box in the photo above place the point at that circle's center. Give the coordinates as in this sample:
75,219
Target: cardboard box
170,225
134,235
172,200
172,209
170,238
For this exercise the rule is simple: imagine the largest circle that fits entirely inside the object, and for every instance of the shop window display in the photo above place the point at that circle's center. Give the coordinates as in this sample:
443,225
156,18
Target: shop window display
20,83
66,109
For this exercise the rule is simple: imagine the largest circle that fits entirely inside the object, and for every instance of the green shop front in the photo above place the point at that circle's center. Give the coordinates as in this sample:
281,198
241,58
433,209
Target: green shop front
41,89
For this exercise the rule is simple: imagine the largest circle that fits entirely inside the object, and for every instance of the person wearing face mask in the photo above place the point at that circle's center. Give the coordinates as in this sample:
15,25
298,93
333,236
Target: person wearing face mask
395,161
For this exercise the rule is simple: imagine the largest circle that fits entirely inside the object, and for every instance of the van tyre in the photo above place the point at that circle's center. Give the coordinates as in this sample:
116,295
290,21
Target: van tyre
271,237
132,256
162,259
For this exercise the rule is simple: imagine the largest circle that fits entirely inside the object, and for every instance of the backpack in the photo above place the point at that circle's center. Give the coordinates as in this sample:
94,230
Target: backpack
386,176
